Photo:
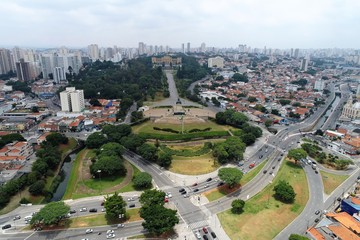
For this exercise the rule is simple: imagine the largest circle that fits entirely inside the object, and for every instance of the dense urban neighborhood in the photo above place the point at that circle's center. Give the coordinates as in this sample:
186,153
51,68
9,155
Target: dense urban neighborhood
200,142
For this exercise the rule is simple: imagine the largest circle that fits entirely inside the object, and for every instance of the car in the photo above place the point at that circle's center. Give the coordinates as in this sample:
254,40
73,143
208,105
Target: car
205,237
84,209
196,190
102,203
271,172
111,235
220,184
209,179
7,226
317,212
89,230
166,200
103,210
195,184
109,231
273,167
72,211
282,154
279,159
198,236
17,217
169,195
93,210
358,178
131,205
186,195
184,192
205,230
213,234
130,199
84,239
181,190
260,157
265,171
121,225
316,172
317,220
252,165
339,199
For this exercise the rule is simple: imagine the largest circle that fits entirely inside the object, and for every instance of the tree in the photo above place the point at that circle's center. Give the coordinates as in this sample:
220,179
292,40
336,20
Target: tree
268,123
111,148
132,142
152,197
142,180
51,214
237,206
319,132
158,219
297,154
284,192
275,112
34,109
248,138
230,176
231,149
297,237
94,102
148,152
109,166
240,77
215,101
37,188
95,140
164,159
284,101
40,166
252,99
114,206
56,139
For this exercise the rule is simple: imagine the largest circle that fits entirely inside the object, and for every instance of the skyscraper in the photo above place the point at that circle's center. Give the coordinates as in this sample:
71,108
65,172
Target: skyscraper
183,48
203,47
23,70
93,51
5,61
59,74
72,100
141,48
188,47
304,64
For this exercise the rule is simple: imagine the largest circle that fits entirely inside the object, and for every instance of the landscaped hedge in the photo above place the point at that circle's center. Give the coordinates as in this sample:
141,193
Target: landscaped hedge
199,130
186,152
185,137
166,130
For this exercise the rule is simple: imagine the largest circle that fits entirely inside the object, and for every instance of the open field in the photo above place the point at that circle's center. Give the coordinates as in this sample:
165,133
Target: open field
264,217
81,183
194,165
220,192
332,181
148,127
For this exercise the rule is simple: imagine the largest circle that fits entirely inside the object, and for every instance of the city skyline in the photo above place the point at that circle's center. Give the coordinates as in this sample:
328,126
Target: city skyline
276,24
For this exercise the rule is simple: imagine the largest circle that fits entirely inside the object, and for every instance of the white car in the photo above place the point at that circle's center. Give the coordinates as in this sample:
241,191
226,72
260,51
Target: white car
103,209
198,236
109,232
169,195
84,209
121,225
89,230
130,199
111,235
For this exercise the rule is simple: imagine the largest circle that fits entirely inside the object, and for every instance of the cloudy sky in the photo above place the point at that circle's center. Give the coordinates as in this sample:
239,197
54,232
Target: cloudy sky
219,23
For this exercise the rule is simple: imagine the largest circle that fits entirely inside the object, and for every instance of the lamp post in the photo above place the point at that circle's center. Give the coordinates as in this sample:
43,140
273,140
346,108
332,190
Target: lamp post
99,172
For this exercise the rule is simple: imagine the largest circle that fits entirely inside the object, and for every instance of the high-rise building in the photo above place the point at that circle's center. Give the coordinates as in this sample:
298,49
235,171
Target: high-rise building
304,64
93,51
183,48
296,53
72,100
216,62
319,85
141,49
203,47
5,61
59,74
188,47
358,91
23,70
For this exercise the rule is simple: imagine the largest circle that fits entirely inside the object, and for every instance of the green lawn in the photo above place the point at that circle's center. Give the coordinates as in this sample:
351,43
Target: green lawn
264,217
217,193
147,127
100,219
332,181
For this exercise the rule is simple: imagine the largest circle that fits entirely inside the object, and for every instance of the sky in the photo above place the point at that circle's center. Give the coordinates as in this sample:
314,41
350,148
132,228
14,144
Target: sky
218,23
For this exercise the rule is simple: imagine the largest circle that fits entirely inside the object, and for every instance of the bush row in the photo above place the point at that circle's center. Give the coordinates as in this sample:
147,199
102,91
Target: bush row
166,130
186,136
199,130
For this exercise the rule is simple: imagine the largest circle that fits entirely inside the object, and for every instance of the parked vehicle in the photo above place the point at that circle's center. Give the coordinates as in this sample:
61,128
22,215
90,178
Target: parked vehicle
205,230
131,205
93,210
213,234
89,230
209,179
7,226
181,190
252,165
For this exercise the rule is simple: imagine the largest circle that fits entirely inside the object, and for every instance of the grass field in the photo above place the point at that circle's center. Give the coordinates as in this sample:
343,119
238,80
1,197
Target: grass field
264,217
220,192
193,165
100,219
332,181
147,127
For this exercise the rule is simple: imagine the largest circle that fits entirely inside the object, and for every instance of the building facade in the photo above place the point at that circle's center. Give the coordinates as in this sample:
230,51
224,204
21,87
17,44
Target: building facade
72,100
216,62
351,110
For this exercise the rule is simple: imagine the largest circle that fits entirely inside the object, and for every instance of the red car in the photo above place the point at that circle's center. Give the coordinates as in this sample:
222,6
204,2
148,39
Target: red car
166,200
252,165
195,184
205,230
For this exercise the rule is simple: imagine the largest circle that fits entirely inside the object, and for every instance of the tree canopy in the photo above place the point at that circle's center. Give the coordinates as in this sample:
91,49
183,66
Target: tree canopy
297,154
152,197
237,206
108,166
142,180
95,140
230,176
297,237
114,206
231,149
284,192
51,214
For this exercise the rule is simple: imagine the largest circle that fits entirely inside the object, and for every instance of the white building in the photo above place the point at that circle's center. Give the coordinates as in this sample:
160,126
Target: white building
72,100
59,74
93,51
319,85
216,62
